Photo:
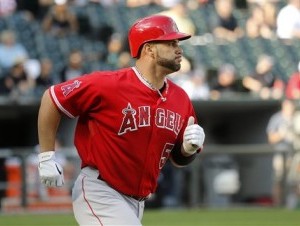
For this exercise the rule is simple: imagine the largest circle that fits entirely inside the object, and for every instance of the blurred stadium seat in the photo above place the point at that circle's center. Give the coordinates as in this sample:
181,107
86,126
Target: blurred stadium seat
243,53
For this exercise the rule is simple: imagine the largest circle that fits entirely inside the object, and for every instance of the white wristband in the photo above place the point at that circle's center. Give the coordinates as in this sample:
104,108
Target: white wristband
45,156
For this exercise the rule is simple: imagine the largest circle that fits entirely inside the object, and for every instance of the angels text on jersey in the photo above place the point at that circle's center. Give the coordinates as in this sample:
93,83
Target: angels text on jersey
163,118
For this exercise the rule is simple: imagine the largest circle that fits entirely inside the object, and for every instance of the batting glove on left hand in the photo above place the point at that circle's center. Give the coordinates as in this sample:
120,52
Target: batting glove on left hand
193,137
51,172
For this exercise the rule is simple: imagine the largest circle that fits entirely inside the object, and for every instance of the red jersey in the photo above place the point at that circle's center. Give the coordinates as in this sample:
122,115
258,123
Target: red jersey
293,85
125,129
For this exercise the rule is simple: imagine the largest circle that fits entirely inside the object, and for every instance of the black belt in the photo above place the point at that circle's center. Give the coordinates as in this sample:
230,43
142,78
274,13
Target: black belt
138,198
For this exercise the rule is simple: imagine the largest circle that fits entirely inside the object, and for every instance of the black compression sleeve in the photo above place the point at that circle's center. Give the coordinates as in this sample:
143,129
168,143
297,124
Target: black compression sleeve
180,159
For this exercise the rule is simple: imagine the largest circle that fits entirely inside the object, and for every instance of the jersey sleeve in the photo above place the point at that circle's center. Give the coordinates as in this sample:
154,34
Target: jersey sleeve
78,96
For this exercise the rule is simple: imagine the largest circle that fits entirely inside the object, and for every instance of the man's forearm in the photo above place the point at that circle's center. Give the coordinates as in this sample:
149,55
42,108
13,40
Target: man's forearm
48,122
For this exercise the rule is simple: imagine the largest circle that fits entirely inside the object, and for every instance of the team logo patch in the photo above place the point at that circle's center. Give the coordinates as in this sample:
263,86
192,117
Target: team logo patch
67,89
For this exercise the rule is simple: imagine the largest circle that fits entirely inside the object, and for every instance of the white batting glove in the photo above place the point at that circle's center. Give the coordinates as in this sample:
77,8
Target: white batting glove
51,172
193,137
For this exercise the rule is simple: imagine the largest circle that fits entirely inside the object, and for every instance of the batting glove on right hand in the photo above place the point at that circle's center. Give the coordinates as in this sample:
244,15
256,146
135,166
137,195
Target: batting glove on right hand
50,171
193,137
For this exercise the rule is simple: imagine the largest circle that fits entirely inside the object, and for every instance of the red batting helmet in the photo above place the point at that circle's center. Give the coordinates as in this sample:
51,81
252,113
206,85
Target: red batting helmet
153,28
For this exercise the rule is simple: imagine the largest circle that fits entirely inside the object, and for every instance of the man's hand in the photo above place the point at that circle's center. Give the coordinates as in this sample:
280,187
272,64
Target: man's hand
193,137
51,173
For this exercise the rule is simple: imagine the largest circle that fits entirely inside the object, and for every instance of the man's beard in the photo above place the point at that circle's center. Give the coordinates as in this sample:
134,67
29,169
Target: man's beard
169,64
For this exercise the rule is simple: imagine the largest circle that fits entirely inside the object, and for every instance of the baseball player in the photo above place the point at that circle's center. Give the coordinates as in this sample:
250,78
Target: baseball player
130,122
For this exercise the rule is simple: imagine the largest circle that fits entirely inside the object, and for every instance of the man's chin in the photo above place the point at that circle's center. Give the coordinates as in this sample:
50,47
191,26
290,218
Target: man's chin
177,68
172,68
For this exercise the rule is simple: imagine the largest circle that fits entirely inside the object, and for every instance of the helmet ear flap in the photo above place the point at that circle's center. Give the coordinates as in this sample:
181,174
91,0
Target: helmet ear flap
152,28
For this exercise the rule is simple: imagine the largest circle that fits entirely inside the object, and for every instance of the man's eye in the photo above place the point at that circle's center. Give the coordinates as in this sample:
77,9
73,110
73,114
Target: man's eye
173,44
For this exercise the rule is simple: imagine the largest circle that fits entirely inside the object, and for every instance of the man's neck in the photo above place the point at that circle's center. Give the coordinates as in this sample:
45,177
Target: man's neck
151,75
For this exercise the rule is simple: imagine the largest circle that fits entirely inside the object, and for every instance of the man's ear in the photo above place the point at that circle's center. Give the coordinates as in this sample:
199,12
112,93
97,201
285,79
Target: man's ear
149,49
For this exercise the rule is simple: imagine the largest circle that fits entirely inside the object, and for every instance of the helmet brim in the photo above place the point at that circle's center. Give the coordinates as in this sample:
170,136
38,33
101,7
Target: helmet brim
173,36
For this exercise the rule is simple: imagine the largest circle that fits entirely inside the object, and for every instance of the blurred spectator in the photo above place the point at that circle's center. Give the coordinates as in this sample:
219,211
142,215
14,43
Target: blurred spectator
108,3
17,82
270,14
263,82
79,3
138,3
226,84
32,68
288,20
7,7
45,78
196,85
252,29
261,2
280,134
60,20
169,3
279,129
180,15
259,23
196,4
192,78
124,60
114,47
293,85
11,51
74,67
225,26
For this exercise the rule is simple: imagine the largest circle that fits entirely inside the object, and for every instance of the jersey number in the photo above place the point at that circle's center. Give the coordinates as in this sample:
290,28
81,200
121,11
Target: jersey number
165,154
